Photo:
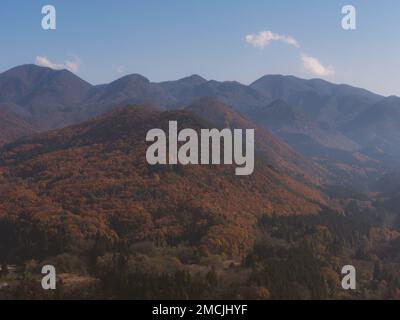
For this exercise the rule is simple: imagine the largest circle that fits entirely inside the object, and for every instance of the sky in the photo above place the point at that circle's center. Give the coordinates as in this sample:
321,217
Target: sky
240,40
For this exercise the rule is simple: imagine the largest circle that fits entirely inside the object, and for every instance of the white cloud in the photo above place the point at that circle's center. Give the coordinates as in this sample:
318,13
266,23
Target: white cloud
311,64
264,38
44,62
71,65
314,66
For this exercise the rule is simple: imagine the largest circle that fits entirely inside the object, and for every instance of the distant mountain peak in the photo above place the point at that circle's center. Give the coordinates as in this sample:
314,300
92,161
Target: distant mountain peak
194,79
34,73
134,77
27,72
28,66
277,76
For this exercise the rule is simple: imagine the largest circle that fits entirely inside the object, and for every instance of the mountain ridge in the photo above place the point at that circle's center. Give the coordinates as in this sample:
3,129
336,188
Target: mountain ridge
50,99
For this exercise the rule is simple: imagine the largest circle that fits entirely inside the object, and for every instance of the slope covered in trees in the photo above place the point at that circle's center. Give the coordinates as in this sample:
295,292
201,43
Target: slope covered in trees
93,179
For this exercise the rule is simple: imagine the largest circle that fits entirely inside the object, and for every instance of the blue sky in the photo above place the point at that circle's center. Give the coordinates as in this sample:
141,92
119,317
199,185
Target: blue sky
165,40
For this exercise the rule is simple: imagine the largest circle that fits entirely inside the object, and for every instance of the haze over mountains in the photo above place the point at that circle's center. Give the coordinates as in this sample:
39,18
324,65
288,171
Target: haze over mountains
319,119
378,126
289,121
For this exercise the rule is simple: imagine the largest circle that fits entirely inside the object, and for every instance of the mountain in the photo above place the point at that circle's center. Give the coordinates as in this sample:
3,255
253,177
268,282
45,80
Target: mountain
47,97
320,120
288,122
323,101
275,151
131,89
377,128
93,180
51,99
179,88
21,81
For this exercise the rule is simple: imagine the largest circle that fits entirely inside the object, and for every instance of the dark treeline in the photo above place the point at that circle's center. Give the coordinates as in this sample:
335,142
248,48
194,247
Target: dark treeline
294,257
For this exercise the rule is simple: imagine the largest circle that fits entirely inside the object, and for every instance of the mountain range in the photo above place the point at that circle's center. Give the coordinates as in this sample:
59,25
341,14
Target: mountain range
325,122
